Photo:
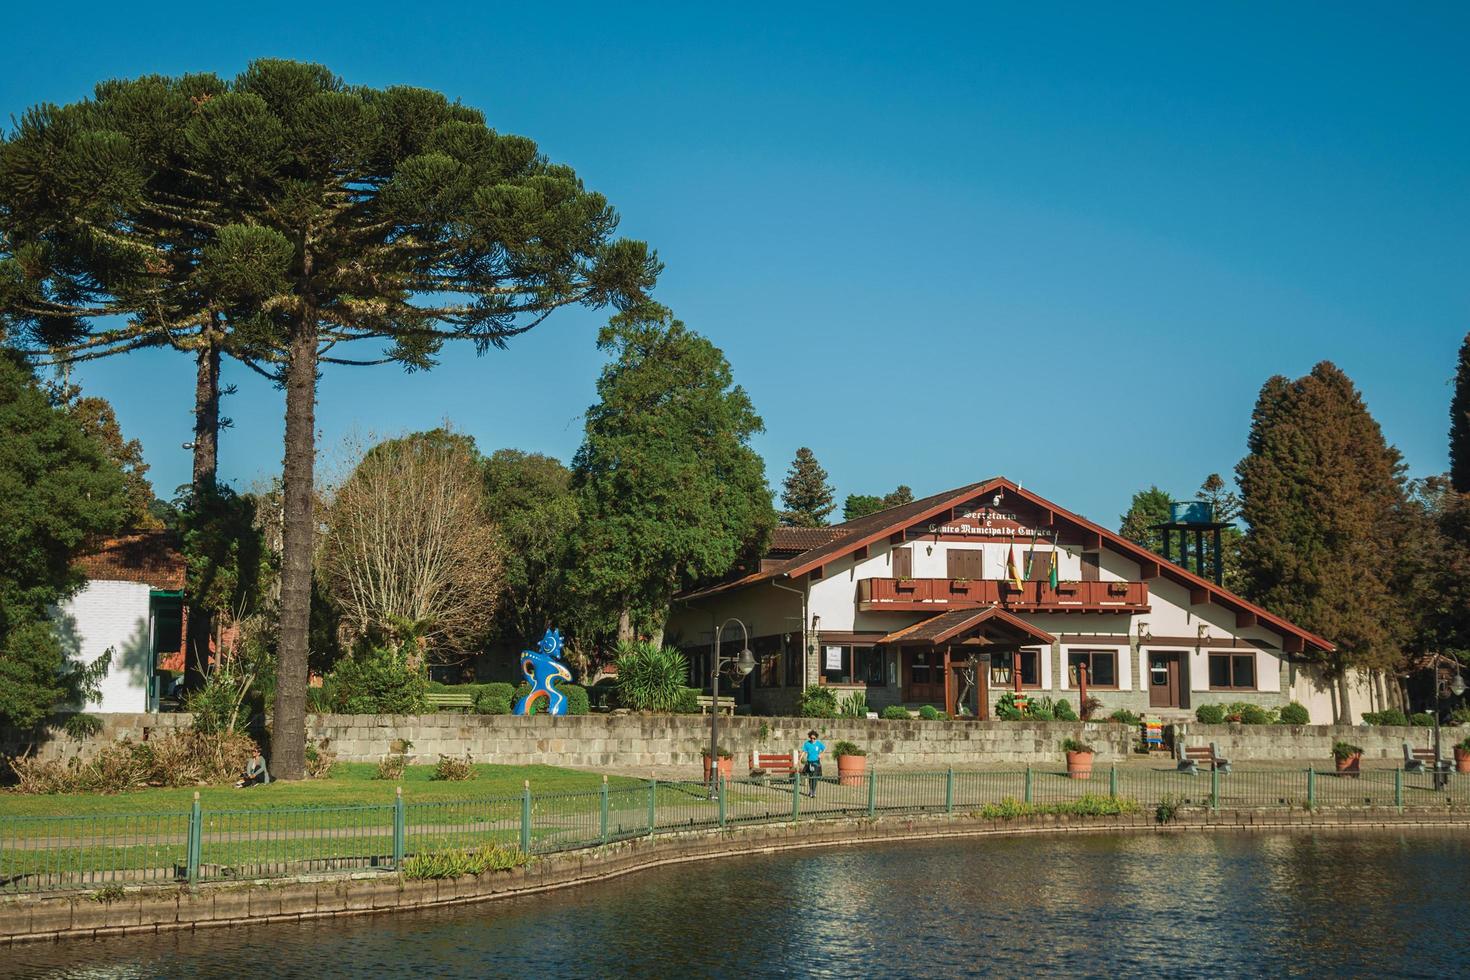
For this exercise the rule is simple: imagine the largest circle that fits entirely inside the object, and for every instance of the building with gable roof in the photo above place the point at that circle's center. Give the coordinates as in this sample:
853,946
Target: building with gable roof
964,596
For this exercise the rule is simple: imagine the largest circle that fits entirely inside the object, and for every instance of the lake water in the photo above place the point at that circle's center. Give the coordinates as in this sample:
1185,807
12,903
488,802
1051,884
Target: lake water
1320,904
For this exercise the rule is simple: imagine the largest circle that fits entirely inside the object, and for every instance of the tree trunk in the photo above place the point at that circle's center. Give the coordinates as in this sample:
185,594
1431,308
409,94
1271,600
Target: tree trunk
625,626
206,470
1382,691
1344,700
288,728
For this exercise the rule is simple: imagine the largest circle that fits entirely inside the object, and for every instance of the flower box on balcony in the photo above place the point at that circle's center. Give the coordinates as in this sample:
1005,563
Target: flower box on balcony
1067,587
1117,588
1007,585
905,585
959,585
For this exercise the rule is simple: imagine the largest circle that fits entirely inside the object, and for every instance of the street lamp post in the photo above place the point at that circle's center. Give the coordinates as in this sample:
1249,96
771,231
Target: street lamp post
1457,688
744,662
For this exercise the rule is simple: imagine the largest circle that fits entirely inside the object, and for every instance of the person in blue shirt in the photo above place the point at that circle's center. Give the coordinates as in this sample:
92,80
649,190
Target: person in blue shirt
812,750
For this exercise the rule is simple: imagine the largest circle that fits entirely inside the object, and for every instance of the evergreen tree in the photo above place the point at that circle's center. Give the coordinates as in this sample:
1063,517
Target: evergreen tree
1149,507
97,419
1225,505
805,493
308,214
670,493
1460,423
1324,498
58,488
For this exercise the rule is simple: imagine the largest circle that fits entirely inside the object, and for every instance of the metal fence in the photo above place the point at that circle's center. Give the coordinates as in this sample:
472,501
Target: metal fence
70,852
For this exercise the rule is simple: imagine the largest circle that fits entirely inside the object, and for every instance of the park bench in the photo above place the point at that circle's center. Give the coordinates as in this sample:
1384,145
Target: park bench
773,763
1190,757
707,702
1419,760
450,699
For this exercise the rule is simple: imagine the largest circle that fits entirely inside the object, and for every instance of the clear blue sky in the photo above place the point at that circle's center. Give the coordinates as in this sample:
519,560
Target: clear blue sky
1062,243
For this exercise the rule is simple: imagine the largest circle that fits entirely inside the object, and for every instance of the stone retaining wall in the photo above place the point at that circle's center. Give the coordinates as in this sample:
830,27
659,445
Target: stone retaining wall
158,909
52,742
1246,743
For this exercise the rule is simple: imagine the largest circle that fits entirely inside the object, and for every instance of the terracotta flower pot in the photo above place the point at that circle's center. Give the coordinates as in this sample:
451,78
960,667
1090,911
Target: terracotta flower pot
1462,760
850,769
1079,765
727,766
1350,764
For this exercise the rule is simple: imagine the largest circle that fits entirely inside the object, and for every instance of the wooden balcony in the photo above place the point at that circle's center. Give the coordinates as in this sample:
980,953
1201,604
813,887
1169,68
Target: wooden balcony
919,594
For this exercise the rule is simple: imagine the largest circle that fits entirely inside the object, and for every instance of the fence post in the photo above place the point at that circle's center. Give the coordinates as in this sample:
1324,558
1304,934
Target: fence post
1028,784
399,828
652,806
526,817
795,797
872,793
604,809
1398,789
720,789
949,790
196,839
1215,788
1311,789
1113,781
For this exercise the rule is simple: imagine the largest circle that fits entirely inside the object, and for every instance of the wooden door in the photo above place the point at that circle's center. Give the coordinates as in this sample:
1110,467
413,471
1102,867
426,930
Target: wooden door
1091,566
963,563
1163,680
923,676
970,684
903,563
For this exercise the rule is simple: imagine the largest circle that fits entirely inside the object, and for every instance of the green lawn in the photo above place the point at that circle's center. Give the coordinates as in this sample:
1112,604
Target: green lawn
350,784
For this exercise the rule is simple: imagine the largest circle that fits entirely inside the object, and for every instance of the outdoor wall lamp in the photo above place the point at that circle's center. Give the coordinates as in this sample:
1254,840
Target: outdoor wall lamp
1143,634
1204,631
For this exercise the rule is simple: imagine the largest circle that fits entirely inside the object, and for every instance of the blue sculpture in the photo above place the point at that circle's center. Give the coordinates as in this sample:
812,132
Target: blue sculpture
543,669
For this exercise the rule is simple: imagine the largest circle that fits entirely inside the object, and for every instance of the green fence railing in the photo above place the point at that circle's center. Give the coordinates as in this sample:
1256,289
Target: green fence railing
69,852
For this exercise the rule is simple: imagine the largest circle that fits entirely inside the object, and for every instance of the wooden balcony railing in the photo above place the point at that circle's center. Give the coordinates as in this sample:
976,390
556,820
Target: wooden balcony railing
927,593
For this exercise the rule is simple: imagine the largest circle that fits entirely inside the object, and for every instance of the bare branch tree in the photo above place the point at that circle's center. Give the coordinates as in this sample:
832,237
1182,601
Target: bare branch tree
408,550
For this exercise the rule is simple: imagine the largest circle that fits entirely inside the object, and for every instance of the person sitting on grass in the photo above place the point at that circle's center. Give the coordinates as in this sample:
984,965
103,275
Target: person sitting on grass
255,772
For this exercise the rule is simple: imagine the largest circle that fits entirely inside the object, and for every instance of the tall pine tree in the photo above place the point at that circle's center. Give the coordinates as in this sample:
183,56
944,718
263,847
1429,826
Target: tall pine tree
1148,507
1323,496
806,495
1460,423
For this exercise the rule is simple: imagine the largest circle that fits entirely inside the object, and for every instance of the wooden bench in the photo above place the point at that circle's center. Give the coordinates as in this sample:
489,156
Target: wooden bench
1190,757
450,699
1420,760
707,702
773,763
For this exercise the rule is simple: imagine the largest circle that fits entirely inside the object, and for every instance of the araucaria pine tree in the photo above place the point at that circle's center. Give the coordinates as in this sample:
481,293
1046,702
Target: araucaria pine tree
806,495
1323,495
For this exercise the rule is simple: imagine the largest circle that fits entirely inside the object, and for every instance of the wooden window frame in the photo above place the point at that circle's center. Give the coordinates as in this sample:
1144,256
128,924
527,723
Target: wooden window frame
1090,653
1232,655
1039,677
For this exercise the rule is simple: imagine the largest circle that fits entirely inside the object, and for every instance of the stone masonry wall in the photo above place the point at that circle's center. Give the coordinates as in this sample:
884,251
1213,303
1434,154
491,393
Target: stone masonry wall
1243,743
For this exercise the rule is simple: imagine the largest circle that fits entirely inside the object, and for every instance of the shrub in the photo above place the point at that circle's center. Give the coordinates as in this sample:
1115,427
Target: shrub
1090,805
453,769
455,864
392,766
177,758
1063,711
855,705
1076,745
930,713
721,751
1342,751
650,677
379,681
1210,714
1008,708
1422,719
817,702
577,702
319,760
688,702
1254,714
1090,707
1295,713
895,712
1389,716
1042,709
1125,717
494,699
1461,714
847,748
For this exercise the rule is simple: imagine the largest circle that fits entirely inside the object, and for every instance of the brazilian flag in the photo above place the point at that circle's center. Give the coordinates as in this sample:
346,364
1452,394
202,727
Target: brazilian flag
1052,579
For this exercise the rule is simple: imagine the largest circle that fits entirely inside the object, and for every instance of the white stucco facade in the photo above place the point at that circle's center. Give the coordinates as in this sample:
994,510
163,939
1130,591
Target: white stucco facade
112,616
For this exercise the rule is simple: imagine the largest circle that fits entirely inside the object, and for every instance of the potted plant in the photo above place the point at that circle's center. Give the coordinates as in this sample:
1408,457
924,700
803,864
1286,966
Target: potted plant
1117,588
727,763
1347,756
852,763
1079,758
1462,755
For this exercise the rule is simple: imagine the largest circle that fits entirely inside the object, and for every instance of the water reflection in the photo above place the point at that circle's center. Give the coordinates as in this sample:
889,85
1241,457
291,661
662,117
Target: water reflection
1104,906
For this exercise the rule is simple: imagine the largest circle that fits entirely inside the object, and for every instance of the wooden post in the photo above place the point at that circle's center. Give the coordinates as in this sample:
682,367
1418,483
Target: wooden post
950,707
1082,691
1016,671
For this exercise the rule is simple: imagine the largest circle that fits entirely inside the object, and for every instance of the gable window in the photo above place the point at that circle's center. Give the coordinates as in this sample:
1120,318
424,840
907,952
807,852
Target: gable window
1102,667
1232,671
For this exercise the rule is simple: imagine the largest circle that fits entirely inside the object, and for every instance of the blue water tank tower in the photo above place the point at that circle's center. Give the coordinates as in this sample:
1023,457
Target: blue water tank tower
1191,512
